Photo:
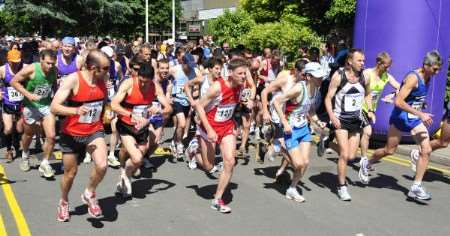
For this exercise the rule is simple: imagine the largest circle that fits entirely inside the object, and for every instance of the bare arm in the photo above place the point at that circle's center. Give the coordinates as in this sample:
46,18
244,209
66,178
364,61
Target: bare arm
334,84
394,83
120,96
57,107
187,87
409,84
251,84
276,85
296,91
22,76
211,94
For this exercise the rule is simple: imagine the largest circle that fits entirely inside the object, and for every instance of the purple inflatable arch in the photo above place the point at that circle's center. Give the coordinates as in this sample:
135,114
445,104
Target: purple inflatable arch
406,29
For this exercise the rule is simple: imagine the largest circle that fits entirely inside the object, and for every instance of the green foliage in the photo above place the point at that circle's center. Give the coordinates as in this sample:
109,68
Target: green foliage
85,17
231,27
287,35
341,11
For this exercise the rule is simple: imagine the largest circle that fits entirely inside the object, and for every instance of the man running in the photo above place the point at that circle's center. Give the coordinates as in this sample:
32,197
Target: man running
378,77
349,89
11,104
68,61
299,102
85,93
133,104
35,83
216,110
408,116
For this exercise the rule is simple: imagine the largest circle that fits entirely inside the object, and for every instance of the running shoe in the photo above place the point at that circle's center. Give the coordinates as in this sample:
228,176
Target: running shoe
270,154
343,193
292,194
363,173
87,158
321,145
25,165
180,151
329,151
62,211
46,170
112,161
190,153
219,205
93,208
124,188
419,192
414,156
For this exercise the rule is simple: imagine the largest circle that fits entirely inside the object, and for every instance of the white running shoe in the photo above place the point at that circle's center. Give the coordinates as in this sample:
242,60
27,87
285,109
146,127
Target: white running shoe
419,192
292,194
343,193
363,173
329,151
87,158
124,187
46,170
414,156
112,161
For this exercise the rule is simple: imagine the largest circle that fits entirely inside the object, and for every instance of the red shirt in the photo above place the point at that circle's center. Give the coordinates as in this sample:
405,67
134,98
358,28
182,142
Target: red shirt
138,102
92,97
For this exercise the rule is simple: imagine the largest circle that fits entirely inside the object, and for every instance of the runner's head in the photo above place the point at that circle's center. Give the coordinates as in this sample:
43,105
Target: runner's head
97,63
14,60
179,54
68,46
163,69
146,72
238,70
146,52
214,66
355,60
48,60
384,61
432,63
299,69
135,65
314,73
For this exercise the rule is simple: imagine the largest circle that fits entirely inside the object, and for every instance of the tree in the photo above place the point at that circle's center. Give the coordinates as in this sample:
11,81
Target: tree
231,27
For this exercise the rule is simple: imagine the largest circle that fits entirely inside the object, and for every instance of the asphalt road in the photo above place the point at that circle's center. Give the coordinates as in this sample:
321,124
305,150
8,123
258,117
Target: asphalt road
174,200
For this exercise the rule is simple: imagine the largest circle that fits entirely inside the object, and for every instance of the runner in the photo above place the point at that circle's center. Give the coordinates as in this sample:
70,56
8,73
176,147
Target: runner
37,80
349,88
378,77
299,102
193,154
408,116
284,81
11,105
68,61
85,92
218,127
133,104
182,73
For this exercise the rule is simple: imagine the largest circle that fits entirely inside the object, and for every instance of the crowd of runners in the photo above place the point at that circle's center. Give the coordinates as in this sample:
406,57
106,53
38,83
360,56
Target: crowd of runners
216,98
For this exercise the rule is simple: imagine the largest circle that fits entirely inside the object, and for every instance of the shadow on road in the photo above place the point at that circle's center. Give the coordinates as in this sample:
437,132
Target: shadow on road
141,188
328,180
430,176
207,192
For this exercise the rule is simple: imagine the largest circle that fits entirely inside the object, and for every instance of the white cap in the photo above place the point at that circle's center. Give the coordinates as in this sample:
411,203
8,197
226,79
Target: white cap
170,42
314,69
108,51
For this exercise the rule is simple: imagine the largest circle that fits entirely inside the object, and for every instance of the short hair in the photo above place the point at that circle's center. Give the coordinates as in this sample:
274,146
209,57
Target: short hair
48,53
162,61
352,52
432,58
300,64
235,52
382,56
179,50
236,63
145,45
135,60
146,70
210,63
94,57
90,44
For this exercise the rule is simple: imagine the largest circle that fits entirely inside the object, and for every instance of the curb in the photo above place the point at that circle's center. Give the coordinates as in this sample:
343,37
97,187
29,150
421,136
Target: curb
434,158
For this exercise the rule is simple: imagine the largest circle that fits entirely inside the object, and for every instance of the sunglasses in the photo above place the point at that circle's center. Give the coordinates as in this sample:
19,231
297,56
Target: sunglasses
135,68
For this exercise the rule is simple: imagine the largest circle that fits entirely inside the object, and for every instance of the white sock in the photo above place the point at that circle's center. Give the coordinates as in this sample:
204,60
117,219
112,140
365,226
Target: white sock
417,183
87,193
25,155
44,162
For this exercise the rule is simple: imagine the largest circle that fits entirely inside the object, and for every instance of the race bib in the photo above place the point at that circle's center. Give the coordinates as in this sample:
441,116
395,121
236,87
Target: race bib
416,106
179,90
375,97
224,112
353,102
14,95
42,90
297,119
140,111
95,110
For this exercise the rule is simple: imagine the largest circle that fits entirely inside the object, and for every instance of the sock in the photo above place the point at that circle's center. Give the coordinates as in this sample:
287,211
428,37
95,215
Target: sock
87,193
417,183
24,155
44,161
